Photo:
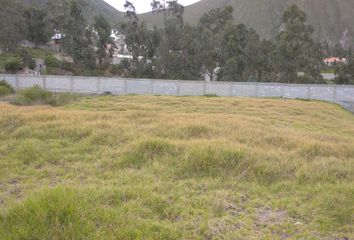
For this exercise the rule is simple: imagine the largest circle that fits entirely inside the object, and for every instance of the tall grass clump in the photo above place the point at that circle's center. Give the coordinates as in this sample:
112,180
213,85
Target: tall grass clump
29,151
52,214
147,151
212,161
6,89
69,213
39,96
33,96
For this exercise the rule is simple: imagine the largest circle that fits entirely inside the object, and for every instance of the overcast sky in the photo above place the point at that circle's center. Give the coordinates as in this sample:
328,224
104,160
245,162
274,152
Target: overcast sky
142,5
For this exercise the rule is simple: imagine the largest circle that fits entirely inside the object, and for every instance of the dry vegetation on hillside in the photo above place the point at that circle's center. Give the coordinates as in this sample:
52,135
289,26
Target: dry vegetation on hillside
149,167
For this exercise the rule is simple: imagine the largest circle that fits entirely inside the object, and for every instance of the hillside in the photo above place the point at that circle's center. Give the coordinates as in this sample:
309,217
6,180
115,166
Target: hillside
330,18
163,167
93,8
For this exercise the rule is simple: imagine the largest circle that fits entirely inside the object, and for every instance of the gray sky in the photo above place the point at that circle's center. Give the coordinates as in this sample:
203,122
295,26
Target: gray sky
142,5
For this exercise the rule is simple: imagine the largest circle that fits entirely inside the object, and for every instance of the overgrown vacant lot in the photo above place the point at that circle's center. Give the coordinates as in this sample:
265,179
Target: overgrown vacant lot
140,167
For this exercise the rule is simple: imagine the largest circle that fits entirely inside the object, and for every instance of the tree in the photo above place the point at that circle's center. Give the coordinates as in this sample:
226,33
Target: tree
191,52
295,48
241,54
11,23
78,36
133,37
211,28
174,25
158,6
345,72
36,27
57,12
169,54
266,61
103,30
131,12
142,43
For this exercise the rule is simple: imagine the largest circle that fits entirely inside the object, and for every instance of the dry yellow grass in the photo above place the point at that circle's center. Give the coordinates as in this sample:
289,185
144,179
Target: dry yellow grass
148,167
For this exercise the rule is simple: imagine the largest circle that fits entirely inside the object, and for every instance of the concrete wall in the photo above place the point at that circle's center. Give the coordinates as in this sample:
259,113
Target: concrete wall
97,85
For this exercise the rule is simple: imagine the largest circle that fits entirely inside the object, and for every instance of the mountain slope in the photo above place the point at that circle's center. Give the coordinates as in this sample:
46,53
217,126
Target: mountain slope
93,8
330,18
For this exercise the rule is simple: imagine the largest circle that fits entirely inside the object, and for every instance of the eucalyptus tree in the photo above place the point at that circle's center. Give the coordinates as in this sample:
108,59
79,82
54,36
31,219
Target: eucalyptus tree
296,50
103,30
11,23
37,29
211,28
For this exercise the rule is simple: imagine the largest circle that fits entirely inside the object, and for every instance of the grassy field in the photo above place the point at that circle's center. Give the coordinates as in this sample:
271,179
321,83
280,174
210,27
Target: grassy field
150,167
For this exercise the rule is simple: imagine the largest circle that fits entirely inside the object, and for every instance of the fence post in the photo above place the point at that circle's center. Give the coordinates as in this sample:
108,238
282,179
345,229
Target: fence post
44,83
334,93
256,90
125,86
309,91
230,89
282,90
98,86
17,81
152,86
71,84
178,88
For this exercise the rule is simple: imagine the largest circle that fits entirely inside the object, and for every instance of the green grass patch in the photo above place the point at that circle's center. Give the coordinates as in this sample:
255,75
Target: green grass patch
147,167
147,151
212,161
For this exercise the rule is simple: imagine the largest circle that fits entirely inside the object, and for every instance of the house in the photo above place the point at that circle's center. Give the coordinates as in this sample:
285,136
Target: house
56,42
331,61
119,41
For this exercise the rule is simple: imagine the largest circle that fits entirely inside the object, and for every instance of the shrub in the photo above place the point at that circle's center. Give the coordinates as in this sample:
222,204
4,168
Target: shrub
51,61
27,60
33,95
13,66
6,89
116,70
37,96
57,67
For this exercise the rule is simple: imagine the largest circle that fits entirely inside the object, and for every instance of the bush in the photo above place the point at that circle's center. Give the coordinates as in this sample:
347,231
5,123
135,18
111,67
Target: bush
13,66
27,60
116,70
33,95
57,67
51,61
6,89
37,96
